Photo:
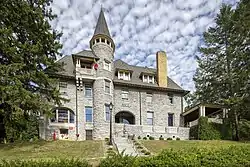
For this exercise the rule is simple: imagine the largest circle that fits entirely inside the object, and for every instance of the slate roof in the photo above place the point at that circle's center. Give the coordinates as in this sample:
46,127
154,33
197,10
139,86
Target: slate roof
68,66
101,26
86,53
135,81
136,76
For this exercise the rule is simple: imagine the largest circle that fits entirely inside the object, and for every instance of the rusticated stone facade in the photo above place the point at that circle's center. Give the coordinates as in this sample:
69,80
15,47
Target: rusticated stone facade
143,98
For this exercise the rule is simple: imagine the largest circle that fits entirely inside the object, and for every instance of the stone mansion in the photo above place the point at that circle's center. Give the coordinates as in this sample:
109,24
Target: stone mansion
145,101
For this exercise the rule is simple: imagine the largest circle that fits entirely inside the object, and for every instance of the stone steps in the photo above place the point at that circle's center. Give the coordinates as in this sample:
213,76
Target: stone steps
123,144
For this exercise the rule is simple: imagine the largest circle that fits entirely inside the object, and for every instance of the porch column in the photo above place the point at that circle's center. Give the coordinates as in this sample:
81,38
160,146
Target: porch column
202,111
225,111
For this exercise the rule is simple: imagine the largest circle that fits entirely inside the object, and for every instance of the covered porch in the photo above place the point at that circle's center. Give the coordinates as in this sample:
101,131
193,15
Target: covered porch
214,112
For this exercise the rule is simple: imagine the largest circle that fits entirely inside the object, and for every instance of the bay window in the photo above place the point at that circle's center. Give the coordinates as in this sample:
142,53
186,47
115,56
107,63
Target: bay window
63,115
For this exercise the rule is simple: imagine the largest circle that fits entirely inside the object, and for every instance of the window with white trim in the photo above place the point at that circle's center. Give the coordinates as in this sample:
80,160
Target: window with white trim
89,114
170,119
149,97
88,91
148,78
125,95
106,65
107,86
150,117
124,75
63,115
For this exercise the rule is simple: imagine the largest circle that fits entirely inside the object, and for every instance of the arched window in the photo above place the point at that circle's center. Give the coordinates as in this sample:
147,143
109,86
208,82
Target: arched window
63,115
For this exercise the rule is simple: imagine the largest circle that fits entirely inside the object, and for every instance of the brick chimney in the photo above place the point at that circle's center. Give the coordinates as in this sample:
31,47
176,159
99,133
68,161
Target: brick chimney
161,65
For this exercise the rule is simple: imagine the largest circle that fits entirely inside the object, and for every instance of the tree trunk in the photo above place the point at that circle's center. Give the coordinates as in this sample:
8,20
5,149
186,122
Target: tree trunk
237,136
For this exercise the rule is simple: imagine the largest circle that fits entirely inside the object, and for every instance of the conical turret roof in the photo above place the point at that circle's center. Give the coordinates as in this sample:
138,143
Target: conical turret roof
101,26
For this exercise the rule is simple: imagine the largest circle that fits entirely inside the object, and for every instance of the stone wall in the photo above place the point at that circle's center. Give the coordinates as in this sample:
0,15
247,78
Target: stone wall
160,105
155,131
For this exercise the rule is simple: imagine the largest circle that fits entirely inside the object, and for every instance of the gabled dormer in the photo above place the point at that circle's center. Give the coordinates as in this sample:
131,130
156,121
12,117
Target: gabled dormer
124,74
148,77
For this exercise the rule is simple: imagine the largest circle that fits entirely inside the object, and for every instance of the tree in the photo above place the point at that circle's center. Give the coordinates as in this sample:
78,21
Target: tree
28,46
223,73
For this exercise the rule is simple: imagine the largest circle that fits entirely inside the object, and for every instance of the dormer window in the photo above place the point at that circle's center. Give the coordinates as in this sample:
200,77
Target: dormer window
124,75
148,78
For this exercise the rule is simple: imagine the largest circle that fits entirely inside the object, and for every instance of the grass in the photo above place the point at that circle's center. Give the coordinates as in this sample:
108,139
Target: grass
53,149
156,146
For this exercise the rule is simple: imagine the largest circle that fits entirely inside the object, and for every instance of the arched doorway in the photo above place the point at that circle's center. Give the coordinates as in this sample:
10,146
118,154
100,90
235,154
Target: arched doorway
125,117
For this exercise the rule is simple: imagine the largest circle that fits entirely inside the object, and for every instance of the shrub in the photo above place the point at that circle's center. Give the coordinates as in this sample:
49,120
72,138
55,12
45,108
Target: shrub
110,148
169,138
137,144
178,138
230,156
207,131
161,138
139,137
106,139
193,133
145,138
139,147
118,160
151,138
48,163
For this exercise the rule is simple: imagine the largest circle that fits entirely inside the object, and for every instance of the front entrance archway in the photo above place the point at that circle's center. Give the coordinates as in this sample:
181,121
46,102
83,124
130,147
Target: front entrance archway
125,117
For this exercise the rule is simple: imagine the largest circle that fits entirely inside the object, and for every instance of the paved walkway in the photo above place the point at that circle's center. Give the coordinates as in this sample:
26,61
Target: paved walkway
122,143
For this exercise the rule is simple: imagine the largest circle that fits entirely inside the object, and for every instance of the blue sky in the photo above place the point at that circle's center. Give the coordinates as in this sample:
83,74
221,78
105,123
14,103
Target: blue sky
140,28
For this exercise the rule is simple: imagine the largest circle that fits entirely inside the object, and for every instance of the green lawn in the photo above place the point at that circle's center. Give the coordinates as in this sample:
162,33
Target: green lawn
156,146
52,149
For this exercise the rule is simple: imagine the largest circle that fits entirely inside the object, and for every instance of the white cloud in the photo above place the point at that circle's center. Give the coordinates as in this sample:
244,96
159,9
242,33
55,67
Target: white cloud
140,28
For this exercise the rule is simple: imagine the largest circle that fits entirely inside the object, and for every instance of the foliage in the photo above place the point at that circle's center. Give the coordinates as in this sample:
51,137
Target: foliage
139,147
139,137
223,71
161,138
151,138
45,163
145,138
169,138
206,130
118,160
28,46
232,156
244,129
193,133
178,138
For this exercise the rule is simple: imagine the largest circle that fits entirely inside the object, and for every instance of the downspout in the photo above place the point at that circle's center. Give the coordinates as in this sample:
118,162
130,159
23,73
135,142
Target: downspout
76,114
140,106
183,121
